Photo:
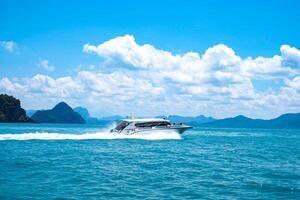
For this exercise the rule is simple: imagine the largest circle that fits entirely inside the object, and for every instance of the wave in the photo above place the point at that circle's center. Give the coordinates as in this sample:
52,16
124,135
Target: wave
105,135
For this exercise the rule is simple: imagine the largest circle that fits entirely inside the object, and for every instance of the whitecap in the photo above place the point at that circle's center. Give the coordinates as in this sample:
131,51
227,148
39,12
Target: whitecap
103,135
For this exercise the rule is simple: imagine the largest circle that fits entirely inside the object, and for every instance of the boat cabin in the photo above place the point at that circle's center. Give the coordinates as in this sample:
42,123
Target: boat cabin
130,124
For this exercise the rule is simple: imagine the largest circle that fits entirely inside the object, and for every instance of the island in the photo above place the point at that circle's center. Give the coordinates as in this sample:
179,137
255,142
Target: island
61,113
11,111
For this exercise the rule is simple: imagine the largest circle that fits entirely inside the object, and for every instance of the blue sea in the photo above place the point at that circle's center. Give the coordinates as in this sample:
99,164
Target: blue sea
42,161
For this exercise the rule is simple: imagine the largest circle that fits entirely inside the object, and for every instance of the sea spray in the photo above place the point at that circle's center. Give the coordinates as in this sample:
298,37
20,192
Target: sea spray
101,135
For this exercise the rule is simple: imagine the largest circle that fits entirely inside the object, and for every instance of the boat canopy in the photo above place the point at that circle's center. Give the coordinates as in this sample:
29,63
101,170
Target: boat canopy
142,123
121,125
152,124
145,120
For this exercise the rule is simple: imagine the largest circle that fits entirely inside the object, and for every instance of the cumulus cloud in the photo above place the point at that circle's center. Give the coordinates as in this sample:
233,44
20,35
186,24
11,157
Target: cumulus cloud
215,75
8,45
217,58
294,83
290,56
43,63
127,50
217,82
86,87
10,86
218,69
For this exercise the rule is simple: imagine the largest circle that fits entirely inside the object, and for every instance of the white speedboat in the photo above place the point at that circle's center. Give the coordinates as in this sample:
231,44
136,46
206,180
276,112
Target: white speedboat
136,126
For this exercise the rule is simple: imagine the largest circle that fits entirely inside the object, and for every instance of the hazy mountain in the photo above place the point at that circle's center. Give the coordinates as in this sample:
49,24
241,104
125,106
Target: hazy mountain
93,120
112,118
283,121
291,120
86,116
29,113
11,111
61,113
83,112
194,121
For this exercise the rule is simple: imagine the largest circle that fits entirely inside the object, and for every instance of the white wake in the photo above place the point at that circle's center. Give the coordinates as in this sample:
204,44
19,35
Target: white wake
105,135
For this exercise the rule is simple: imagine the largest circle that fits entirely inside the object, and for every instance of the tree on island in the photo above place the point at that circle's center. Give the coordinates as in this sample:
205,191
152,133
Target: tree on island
11,111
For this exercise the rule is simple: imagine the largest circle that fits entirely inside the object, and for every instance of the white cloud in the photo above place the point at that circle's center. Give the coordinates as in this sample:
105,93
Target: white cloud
294,83
217,82
218,75
290,56
194,67
218,69
86,88
43,63
220,57
9,86
125,49
8,45
61,87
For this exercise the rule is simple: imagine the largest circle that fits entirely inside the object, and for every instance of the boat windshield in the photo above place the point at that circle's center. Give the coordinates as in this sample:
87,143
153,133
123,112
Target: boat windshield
121,125
152,124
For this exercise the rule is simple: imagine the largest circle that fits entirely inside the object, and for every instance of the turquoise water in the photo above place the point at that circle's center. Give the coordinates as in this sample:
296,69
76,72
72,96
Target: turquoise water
39,161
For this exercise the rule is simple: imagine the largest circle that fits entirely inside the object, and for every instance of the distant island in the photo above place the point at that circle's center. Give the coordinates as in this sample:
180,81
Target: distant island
285,121
11,111
193,121
94,120
61,113
89,119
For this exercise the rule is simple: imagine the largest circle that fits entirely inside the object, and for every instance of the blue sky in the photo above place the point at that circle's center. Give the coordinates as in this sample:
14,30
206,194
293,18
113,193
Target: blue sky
42,44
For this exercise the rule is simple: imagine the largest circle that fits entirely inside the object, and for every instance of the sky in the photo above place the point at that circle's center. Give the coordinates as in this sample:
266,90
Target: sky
148,58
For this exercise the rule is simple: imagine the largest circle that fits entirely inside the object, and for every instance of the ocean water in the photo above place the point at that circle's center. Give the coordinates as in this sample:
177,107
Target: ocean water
42,161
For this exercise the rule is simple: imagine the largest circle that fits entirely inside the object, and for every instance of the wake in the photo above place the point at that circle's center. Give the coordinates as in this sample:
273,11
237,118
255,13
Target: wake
104,135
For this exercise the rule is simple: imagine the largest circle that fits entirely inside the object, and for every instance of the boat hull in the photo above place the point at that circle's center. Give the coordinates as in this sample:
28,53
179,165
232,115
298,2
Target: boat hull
179,130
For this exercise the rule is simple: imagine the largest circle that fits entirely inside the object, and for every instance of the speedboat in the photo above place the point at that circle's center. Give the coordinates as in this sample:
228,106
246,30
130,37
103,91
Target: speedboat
136,126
